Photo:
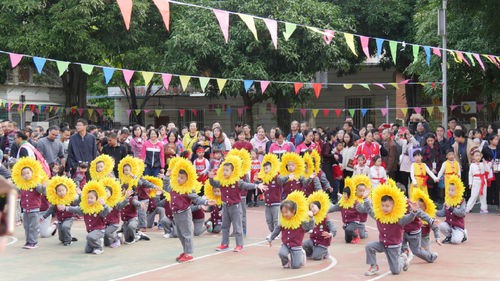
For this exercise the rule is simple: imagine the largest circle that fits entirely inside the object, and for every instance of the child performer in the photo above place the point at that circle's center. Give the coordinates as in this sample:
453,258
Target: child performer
252,197
198,220
337,169
216,160
181,182
477,182
377,172
62,191
228,179
153,208
324,229
453,228
28,175
214,223
361,168
268,175
325,184
129,215
80,176
102,167
295,221
167,222
419,173
389,208
450,166
363,186
310,173
202,165
426,204
115,201
292,168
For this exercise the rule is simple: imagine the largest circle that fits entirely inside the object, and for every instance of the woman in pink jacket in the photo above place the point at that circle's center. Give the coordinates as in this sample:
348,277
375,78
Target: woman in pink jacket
153,155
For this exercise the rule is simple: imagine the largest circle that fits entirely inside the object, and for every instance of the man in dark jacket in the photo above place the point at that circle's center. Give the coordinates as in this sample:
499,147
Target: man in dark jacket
115,150
82,146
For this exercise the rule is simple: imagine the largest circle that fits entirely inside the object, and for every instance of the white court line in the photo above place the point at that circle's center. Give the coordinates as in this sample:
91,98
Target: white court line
380,276
14,240
175,264
333,262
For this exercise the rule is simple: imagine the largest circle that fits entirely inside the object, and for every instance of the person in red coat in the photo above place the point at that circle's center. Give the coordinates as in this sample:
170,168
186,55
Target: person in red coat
242,142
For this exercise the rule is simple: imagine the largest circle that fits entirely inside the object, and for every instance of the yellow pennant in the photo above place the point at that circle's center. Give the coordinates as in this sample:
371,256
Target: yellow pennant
404,111
291,110
430,109
157,112
347,86
315,112
184,81
147,77
349,39
221,83
248,20
91,111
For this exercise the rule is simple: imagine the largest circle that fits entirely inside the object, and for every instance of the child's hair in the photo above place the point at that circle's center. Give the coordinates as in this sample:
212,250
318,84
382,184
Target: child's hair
266,164
109,188
26,168
429,136
361,156
83,165
347,191
386,198
289,205
229,165
93,192
185,154
417,153
450,150
182,172
375,158
317,204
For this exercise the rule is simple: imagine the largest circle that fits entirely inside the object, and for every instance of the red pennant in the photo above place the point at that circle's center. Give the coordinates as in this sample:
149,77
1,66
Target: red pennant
297,87
433,85
181,112
338,112
32,107
493,105
126,9
80,111
195,112
164,8
99,111
326,112
303,112
479,107
240,111
317,89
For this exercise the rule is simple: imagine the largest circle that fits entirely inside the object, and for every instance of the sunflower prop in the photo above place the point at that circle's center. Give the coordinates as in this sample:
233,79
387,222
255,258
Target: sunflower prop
173,161
167,196
209,193
459,186
191,183
246,160
109,164
400,205
296,220
349,203
317,160
364,180
299,164
157,182
392,183
275,168
309,165
116,191
136,168
430,207
324,201
36,168
235,176
96,208
55,199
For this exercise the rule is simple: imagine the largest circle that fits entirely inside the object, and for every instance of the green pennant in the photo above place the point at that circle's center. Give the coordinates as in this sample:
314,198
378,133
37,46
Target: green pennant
262,110
471,59
87,68
203,83
365,86
62,66
415,52
351,112
289,29
218,110
393,45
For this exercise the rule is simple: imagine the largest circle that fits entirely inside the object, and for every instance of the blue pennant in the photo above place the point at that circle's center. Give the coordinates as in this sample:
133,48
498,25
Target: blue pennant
39,63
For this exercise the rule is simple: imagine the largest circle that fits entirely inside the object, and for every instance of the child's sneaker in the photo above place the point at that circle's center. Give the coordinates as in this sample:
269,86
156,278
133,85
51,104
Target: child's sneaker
98,252
238,249
166,235
287,265
30,246
222,247
447,240
465,236
143,236
179,257
120,237
55,229
483,211
74,239
434,257
209,226
185,258
116,244
356,239
406,261
372,270
68,243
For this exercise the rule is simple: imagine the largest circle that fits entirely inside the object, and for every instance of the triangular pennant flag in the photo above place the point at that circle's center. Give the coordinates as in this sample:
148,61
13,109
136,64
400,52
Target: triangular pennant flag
493,105
249,21
317,89
182,112
166,80
274,110
62,66
91,111
108,73
203,83
247,84
315,30
15,59
349,39
404,82
427,50
195,112
184,81
157,113
430,109
146,110
289,29
19,107
221,83
417,110
99,111
137,112
126,10
127,75
364,111
223,19
229,111
384,111
24,107
291,110
347,86
395,85
9,105
272,26
364,45
436,51
87,68
81,111
404,111
351,112
147,77
328,36
164,9
218,111
393,46
338,112
452,107
471,58
461,57
39,63
111,112
379,42
303,112
455,58
315,112
380,85
441,109
240,111
479,107
478,58
297,86
365,86
415,49
264,85
325,112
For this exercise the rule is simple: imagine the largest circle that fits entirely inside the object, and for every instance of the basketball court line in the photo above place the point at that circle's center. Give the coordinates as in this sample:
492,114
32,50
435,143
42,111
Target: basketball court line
333,262
14,240
380,276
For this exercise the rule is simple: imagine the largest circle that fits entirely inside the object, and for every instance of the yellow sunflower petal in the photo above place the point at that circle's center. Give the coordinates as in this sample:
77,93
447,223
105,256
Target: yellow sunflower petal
246,160
52,196
430,207
349,203
400,205
309,165
116,191
191,183
157,182
96,208
317,160
136,168
459,185
235,176
275,168
323,199
300,216
109,165
209,193
36,168
295,158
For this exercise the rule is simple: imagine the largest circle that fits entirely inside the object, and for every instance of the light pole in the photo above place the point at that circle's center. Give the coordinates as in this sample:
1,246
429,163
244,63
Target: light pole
444,67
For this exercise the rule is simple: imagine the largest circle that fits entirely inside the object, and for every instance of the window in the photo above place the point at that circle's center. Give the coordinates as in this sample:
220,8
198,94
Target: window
358,103
189,117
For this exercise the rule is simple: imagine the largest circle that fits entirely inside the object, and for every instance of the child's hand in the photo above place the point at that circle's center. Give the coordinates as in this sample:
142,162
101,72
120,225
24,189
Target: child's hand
414,206
128,193
326,234
310,214
330,189
446,206
61,207
414,183
439,242
313,175
436,180
436,222
291,177
262,187
101,201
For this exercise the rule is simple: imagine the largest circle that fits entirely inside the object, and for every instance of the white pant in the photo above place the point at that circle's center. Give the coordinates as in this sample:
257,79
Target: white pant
475,193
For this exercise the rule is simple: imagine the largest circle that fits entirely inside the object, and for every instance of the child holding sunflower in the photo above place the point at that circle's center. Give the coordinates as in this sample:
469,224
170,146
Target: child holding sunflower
292,169
117,200
453,228
324,229
311,173
295,221
167,222
214,223
363,185
426,204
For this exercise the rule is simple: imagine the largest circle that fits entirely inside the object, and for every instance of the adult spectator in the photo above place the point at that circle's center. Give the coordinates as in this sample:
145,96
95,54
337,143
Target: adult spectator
242,143
115,150
462,149
124,141
9,136
368,148
238,126
82,146
318,140
259,142
304,126
92,129
348,155
441,141
391,159
420,133
137,141
491,155
433,158
280,146
327,157
64,139
51,148
295,137
452,124
202,143
191,137
248,132
272,139
153,155
220,141
351,121
25,149
349,129
171,148
307,145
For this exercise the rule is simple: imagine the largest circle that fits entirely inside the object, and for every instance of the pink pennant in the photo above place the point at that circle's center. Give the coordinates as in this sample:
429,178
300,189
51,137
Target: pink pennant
303,112
364,44
380,85
452,107
182,112
338,112
147,110
478,58
164,8
240,111
19,107
195,112
126,9
297,86
128,112
326,112
263,85
436,51
462,58
317,89
328,36
274,110
418,110
80,111
384,111
99,111
223,19
479,107
127,75
15,59
404,82
166,80
272,26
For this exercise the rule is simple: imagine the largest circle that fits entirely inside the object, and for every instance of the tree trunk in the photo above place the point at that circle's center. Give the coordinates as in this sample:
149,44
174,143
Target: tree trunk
283,116
75,89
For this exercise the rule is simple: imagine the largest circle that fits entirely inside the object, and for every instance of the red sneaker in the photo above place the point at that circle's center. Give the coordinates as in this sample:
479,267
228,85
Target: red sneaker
355,240
238,248
179,257
185,258
222,247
